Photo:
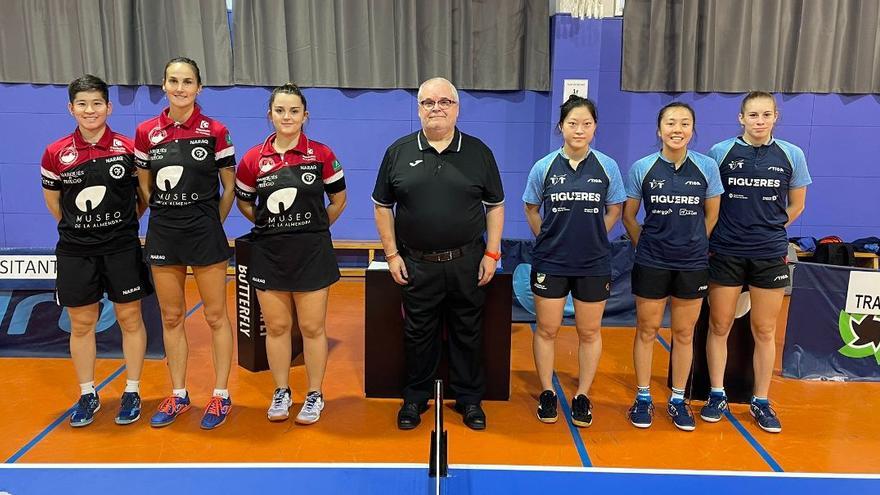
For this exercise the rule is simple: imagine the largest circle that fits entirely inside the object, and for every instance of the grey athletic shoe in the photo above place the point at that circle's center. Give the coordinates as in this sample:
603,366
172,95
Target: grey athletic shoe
311,410
279,410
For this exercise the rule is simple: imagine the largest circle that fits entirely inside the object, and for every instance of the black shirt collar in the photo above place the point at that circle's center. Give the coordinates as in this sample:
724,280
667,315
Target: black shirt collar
454,145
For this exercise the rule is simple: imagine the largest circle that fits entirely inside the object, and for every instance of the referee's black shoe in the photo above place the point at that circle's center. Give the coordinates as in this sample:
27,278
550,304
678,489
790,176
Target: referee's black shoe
410,414
472,415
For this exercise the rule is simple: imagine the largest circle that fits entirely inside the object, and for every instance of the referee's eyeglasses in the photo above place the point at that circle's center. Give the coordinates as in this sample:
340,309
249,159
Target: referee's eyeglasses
443,104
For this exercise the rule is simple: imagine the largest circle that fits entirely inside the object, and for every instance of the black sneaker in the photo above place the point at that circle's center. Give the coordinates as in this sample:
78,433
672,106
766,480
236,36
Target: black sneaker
547,406
581,411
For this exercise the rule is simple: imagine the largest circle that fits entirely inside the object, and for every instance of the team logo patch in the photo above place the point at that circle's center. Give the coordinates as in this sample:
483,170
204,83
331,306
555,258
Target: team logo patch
117,171
157,135
309,178
89,198
735,164
266,164
281,200
199,153
656,183
204,124
540,277
68,155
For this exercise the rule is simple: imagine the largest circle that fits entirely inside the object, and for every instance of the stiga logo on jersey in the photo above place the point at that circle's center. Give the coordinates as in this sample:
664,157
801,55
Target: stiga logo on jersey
736,164
860,335
156,135
776,169
693,183
656,183
594,180
68,155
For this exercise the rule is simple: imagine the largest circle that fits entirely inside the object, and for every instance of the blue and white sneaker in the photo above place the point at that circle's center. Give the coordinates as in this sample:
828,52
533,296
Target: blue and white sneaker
765,416
714,408
84,412
129,408
216,412
169,410
641,414
681,415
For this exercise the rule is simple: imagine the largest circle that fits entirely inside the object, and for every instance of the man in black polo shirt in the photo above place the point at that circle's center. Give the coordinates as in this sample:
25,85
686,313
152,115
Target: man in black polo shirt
447,191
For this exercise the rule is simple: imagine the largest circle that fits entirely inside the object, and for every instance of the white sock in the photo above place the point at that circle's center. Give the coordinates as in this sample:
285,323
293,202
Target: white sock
677,395
221,392
87,388
132,386
179,392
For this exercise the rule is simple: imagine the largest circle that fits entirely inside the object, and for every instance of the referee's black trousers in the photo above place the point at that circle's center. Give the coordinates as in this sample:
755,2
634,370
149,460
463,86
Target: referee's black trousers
439,293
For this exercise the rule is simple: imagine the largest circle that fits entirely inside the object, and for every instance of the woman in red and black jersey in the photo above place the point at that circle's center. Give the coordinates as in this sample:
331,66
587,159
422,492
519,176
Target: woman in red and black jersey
280,186
183,153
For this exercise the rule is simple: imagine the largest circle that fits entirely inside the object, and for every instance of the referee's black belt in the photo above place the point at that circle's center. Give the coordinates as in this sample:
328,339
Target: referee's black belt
441,256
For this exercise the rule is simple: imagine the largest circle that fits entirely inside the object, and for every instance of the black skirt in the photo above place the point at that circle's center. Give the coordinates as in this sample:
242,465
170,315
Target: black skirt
191,235
298,262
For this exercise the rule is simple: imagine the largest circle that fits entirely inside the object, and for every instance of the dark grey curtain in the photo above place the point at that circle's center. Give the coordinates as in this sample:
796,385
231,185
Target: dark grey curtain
477,44
792,46
122,41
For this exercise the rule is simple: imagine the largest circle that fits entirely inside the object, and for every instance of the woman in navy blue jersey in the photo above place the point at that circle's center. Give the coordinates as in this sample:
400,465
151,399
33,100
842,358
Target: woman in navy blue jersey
581,192
680,190
281,185
185,156
765,187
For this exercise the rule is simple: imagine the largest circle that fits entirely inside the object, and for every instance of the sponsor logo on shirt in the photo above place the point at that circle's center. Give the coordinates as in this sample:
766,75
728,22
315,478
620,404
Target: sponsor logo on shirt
770,198
735,164
204,128
559,209
752,182
411,164
776,169
117,171
591,210
737,196
281,200
594,180
336,165
667,211
167,178
199,153
557,179
575,196
117,146
674,199
684,212
693,183
309,178
89,198
656,183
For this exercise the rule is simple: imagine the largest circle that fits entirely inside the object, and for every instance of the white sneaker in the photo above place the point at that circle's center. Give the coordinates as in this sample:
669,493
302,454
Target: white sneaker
311,410
279,410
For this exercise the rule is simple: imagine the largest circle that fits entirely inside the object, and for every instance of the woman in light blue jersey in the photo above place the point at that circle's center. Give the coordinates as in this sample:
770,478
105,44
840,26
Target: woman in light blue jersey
679,189
765,183
581,191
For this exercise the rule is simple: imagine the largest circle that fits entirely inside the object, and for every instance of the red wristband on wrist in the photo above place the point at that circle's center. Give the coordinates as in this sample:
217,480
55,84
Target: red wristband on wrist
494,256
